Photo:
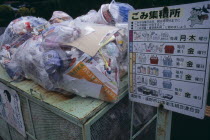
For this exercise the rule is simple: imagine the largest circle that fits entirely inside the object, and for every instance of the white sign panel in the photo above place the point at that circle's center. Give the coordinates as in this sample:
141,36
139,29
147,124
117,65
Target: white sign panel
10,109
169,57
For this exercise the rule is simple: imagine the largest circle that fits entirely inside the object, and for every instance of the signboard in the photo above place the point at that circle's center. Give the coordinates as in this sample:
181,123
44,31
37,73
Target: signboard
169,57
10,109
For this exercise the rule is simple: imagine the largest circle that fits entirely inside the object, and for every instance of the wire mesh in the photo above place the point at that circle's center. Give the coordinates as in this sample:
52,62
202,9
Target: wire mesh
49,126
114,125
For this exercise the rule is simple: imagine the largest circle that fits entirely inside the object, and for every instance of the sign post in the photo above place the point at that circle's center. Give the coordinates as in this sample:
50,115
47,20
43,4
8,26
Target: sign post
169,56
163,126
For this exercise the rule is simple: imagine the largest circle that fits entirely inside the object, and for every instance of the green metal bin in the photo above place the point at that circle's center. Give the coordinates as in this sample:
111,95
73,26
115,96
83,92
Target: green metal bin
52,116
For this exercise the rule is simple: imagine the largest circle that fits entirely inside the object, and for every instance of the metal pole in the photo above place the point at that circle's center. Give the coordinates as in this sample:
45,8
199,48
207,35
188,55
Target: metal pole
163,126
132,115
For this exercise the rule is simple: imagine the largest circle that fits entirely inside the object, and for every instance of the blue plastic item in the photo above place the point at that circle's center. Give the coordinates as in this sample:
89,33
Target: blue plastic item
14,71
167,61
167,73
124,12
52,61
167,84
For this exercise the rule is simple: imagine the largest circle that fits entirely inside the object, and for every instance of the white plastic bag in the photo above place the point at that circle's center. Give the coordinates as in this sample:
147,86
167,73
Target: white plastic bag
60,16
115,12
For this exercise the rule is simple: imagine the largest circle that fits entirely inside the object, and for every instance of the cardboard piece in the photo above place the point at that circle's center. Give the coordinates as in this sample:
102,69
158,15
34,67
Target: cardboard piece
91,42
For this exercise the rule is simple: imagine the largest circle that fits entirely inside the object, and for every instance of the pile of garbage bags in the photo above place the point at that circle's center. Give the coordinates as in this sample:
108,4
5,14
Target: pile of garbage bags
111,14
86,56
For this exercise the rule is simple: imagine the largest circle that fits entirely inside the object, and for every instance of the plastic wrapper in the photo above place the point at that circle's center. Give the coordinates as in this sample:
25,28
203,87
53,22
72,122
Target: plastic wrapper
14,71
115,12
64,32
17,32
109,14
68,56
56,61
60,16
41,57
21,29
120,11
35,64
91,17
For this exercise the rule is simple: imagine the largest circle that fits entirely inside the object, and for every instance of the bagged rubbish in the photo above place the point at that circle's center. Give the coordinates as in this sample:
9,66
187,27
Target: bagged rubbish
17,32
95,69
115,12
64,32
21,29
59,61
14,71
109,14
68,56
120,11
59,16
41,57
91,17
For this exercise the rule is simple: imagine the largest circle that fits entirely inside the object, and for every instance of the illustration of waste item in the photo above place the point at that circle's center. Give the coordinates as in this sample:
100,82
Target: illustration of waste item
168,96
154,93
164,95
169,49
147,91
147,48
155,36
142,58
143,80
153,81
135,35
138,69
141,88
160,93
167,73
141,69
136,48
154,59
148,70
167,61
151,47
160,48
167,84
152,71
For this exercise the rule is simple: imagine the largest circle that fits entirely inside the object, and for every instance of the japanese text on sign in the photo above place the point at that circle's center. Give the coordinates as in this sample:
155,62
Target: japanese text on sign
156,14
169,57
